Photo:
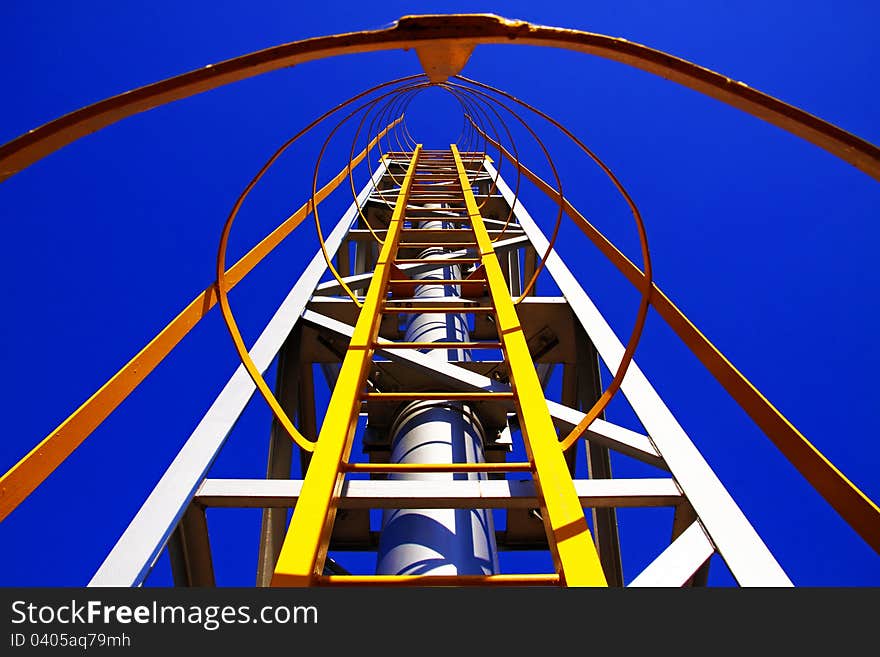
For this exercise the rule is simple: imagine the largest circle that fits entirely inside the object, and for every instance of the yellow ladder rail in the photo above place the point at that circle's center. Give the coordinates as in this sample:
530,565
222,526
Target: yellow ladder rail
305,546
572,547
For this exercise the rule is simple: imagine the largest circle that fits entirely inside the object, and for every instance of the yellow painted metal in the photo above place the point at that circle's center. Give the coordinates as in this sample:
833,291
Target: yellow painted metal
436,261
571,544
856,508
438,309
305,545
31,471
436,35
448,245
512,466
444,345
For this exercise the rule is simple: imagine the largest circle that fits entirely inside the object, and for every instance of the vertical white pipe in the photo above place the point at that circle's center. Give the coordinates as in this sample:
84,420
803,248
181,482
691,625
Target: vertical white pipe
437,541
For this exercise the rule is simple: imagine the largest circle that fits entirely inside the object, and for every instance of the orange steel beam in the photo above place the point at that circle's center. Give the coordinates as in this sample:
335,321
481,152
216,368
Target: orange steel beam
512,466
856,508
426,33
24,477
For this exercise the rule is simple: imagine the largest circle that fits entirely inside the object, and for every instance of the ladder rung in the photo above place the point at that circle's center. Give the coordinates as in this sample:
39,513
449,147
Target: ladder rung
443,218
439,345
432,231
439,261
436,281
450,310
390,468
422,245
431,396
439,580
436,213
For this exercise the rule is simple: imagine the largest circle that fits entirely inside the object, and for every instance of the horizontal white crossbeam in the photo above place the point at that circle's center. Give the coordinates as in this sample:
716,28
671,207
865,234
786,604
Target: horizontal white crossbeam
457,378
458,494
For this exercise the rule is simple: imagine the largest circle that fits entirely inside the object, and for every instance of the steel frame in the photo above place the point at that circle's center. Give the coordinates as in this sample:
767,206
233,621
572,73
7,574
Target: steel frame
706,520
461,494
698,497
305,547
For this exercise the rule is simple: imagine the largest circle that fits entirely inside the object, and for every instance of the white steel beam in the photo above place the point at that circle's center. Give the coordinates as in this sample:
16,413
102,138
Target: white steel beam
458,494
677,563
748,558
131,559
609,434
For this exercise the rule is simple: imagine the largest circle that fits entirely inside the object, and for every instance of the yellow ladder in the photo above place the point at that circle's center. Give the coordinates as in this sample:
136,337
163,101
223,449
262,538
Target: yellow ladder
302,556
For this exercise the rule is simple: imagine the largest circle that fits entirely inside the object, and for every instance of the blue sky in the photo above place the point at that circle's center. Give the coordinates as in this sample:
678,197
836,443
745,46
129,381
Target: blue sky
765,241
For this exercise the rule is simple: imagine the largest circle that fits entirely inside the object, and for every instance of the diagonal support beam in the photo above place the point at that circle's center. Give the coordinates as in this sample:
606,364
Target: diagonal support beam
137,549
457,378
853,505
677,563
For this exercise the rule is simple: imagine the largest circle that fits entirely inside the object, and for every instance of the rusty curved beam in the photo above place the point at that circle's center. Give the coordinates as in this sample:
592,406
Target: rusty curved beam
438,38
